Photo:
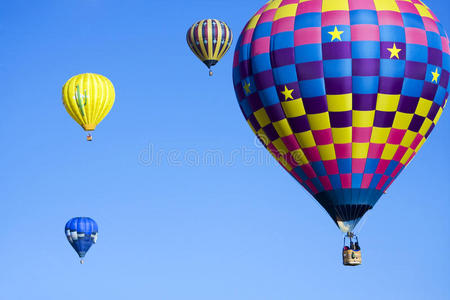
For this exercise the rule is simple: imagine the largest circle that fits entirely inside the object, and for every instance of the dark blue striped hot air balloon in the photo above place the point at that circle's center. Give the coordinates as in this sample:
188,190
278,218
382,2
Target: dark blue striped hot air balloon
81,232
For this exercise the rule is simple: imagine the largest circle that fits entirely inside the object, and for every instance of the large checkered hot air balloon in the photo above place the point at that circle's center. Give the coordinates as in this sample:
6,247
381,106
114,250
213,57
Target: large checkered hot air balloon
343,93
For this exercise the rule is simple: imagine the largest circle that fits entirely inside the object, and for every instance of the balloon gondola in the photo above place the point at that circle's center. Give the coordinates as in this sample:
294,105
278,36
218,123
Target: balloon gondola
351,253
343,93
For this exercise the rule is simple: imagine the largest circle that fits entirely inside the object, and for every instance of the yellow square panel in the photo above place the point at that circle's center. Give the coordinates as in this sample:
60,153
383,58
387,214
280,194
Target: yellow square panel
281,147
379,135
262,117
283,128
407,155
253,21
420,2
305,139
342,135
438,116
285,163
319,121
387,102
289,10
388,5
327,152
423,107
273,4
389,151
408,138
402,120
293,108
299,157
420,144
425,126
423,11
330,5
360,150
338,103
363,118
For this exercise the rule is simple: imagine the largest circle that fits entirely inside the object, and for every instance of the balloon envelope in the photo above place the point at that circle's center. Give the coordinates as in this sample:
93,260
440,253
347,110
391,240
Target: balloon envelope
209,39
81,232
88,98
343,93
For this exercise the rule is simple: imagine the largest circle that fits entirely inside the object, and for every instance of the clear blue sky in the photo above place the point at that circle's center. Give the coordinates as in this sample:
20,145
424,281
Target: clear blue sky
181,227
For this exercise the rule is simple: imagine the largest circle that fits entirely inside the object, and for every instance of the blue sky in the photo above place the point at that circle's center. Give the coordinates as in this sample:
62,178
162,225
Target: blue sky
181,226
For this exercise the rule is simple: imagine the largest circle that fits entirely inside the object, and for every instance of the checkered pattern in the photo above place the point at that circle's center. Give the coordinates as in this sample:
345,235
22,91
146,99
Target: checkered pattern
343,93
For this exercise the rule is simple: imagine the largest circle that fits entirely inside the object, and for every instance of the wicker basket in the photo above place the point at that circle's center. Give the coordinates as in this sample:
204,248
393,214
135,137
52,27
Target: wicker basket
351,257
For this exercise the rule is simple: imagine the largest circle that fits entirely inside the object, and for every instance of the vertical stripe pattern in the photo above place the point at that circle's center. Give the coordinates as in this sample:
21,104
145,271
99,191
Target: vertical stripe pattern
88,98
209,40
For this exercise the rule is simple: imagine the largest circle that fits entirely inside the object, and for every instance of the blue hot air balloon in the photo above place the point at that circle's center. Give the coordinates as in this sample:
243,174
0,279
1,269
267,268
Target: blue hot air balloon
81,232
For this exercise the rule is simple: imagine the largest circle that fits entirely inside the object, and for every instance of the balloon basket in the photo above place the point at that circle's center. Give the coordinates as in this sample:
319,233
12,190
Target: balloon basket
89,138
351,253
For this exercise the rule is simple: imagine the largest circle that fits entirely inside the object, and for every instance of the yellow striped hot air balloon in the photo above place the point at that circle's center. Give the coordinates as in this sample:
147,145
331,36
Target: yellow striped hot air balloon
88,98
209,39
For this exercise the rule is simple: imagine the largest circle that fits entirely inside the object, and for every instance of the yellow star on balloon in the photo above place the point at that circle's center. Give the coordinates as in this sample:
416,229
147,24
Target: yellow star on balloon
247,87
394,51
435,75
336,34
287,93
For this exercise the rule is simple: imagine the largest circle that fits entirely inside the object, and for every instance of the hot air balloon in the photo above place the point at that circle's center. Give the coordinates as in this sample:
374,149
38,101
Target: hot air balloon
209,39
81,232
343,93
88,98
